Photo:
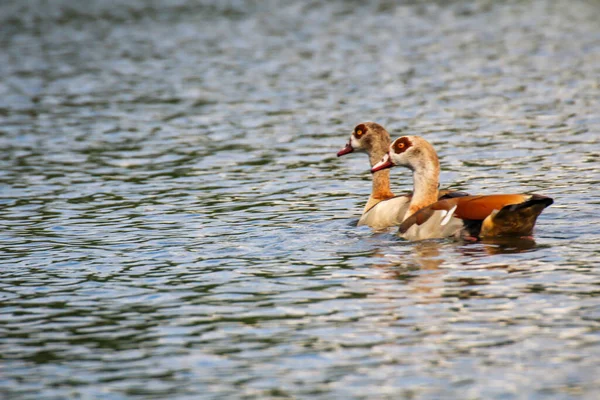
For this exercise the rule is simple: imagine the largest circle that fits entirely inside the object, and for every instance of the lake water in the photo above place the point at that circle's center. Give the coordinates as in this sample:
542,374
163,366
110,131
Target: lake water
175,222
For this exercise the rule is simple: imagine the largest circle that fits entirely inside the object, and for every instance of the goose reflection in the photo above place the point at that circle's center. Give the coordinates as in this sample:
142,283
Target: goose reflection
421,264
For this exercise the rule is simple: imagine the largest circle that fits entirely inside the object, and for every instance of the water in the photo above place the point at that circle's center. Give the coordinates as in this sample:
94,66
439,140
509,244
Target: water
175,223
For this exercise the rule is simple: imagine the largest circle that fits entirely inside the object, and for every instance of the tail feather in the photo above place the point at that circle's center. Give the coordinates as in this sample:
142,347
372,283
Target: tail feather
515,219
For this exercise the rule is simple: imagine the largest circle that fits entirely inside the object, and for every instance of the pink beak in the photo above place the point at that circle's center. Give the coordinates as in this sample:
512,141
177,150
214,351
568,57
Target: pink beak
345,150
383,164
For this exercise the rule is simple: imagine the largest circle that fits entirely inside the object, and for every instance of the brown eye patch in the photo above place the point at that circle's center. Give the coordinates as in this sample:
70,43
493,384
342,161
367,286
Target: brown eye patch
360,130
401,145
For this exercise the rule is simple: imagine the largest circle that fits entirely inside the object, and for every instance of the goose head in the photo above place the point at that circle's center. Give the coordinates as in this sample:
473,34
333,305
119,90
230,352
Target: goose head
412,152
367,137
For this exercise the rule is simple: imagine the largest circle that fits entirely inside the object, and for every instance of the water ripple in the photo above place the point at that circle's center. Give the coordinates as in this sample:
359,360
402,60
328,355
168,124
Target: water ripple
175,223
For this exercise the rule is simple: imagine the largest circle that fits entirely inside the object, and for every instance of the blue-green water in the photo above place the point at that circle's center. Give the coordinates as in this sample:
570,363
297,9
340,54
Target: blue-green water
175,223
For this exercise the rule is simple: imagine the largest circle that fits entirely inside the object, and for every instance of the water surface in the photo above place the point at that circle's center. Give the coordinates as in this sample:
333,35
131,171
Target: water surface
175,223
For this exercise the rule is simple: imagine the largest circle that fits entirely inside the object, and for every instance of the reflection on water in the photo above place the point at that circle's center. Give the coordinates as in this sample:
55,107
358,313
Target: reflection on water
422,265
419,268
175,223
508,245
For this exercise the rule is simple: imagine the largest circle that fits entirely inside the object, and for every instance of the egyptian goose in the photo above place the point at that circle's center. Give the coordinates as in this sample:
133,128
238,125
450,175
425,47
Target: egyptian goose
383,209
470,217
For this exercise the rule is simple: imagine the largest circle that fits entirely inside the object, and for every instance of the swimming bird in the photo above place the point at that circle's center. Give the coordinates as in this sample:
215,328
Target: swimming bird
383,209
470,217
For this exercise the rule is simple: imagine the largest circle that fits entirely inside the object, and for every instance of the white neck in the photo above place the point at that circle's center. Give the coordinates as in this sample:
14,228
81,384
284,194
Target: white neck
426,176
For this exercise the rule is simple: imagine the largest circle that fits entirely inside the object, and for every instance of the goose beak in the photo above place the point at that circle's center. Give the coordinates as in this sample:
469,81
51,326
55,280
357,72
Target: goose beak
383,164
345,150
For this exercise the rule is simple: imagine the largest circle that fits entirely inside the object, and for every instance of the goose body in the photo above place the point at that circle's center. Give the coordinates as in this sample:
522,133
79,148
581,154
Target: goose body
428,217
383,209
385,213
476,217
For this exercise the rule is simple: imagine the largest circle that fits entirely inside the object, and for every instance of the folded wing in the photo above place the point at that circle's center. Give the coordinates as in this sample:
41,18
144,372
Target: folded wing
479,216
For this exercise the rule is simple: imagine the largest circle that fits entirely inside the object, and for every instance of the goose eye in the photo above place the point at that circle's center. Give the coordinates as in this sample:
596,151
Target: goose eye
401,145
360,130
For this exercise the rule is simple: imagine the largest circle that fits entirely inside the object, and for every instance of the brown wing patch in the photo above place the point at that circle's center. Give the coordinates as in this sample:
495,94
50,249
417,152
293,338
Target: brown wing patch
423,215
479,207
419,218
407,223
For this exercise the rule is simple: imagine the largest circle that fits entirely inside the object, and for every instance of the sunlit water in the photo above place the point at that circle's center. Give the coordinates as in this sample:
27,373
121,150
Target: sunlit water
175,223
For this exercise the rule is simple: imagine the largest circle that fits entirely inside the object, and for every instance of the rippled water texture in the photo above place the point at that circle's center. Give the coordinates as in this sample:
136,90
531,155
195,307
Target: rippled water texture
175,223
